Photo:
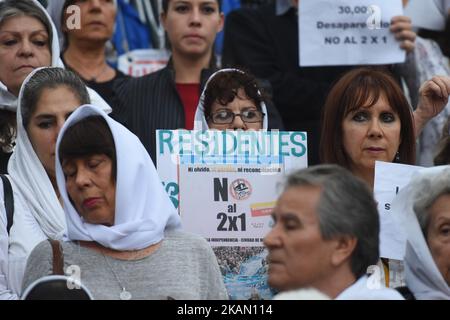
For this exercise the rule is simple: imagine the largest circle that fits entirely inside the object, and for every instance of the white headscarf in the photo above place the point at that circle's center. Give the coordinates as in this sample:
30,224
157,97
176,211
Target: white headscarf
422,276
200,122
428,14
143,209
7,100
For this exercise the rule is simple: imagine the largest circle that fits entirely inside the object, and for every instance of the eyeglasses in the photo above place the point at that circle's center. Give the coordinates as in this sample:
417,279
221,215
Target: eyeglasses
227,116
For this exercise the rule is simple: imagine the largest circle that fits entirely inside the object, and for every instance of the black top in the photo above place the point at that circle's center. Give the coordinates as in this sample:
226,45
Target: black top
104,89
267,45
4,158
152,102
406,293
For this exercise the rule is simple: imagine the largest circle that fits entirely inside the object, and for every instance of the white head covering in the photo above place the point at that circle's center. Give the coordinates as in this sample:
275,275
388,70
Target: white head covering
7,100
143,209
422,276
200,122
31,179
428,14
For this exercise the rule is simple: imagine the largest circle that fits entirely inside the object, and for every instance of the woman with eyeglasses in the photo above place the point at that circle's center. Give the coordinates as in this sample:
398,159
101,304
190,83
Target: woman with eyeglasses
231,100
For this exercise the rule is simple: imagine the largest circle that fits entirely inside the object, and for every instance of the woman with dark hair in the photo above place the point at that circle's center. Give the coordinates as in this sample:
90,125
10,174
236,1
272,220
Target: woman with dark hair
84,48
366,118
168,98
231,99
47,97
125,249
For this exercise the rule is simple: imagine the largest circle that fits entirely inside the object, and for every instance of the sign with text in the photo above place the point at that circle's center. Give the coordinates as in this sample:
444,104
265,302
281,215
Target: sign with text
389,179
224,183
139,62
348,32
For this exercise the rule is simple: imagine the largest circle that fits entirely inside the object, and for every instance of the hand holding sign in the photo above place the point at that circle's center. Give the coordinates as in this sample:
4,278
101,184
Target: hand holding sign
401,27
433,97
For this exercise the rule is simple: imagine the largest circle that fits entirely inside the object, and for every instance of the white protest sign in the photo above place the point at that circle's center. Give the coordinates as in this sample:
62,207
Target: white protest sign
348,32
138,63
390,178
225,185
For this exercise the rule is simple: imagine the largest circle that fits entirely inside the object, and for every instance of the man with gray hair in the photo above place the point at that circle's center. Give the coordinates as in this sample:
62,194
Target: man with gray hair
326,236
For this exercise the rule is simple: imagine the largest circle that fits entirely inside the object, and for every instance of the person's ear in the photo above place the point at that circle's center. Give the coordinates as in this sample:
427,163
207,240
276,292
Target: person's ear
163,20
221,23
343,249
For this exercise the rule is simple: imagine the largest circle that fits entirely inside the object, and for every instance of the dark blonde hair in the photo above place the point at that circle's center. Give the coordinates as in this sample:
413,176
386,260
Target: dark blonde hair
358,88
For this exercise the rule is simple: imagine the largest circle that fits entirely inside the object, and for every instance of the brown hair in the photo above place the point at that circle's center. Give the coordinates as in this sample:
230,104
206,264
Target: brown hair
355,89
165,5
87,137
224,87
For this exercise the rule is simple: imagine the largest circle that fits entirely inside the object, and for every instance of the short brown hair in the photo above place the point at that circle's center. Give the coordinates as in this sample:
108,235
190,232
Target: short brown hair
355,89
87,137
224,86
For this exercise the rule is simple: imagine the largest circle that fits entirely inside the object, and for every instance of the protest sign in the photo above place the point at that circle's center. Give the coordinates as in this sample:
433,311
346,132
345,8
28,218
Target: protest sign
389,179
224,185
140,62
348,32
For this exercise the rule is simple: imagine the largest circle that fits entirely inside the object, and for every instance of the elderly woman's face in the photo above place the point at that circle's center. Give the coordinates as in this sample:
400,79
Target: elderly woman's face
91,187
241,113
371,134
97,20
438,235
24,46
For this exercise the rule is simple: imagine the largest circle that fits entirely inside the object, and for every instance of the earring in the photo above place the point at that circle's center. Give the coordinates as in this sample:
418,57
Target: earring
397,157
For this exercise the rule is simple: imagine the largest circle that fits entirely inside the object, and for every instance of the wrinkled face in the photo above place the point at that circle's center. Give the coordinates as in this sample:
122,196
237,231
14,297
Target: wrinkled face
438,235
24,46
298,255
52,109
192,25
246,114
91,187
371,134
97,20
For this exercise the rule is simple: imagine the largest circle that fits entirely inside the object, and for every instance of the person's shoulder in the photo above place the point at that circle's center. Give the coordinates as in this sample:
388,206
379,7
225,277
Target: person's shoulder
141,84
183,238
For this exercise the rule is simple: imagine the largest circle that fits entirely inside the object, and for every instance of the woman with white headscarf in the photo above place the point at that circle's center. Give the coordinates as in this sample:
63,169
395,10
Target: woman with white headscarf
122,229
231,100
29,41
46,99
423,209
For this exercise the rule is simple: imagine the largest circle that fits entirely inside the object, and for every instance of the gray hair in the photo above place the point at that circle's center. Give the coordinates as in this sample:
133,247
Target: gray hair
346,208
429,188
19,8
50,78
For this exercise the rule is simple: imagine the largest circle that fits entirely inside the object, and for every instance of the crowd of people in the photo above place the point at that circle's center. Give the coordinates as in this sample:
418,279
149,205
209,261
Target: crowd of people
78,152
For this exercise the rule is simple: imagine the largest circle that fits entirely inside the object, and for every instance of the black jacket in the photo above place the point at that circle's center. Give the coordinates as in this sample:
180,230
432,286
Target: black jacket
152,102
